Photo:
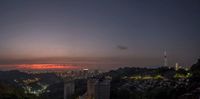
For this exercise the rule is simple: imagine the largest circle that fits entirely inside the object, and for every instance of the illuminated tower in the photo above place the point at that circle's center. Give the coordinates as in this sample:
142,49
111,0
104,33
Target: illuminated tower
165,58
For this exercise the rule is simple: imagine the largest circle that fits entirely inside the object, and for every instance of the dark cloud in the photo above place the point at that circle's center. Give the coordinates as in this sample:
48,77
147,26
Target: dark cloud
121,47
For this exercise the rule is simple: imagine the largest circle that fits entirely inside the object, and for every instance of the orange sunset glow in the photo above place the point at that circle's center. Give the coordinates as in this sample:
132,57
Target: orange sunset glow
46,67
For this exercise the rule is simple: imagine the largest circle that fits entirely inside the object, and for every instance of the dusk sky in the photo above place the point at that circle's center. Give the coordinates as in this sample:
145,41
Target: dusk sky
102,33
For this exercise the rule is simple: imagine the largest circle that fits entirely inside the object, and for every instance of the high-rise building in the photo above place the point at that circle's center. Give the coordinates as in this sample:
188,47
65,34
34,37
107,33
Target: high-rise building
97,89
69,88
102,89
85,73
91,88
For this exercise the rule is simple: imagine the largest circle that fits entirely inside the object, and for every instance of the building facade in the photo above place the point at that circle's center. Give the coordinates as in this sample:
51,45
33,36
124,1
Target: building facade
97,89
69,88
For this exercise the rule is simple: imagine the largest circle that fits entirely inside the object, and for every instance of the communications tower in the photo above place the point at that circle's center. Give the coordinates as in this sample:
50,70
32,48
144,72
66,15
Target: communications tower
165,58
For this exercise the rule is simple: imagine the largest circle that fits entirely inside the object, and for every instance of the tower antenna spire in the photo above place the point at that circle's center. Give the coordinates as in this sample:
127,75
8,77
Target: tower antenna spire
165,58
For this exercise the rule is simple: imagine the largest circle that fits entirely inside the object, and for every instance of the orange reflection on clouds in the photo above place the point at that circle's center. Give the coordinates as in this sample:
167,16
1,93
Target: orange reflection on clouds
46,66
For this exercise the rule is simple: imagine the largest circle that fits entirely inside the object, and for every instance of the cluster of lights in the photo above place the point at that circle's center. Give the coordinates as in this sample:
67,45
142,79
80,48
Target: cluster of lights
28,89
143,77
182,75
29,81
